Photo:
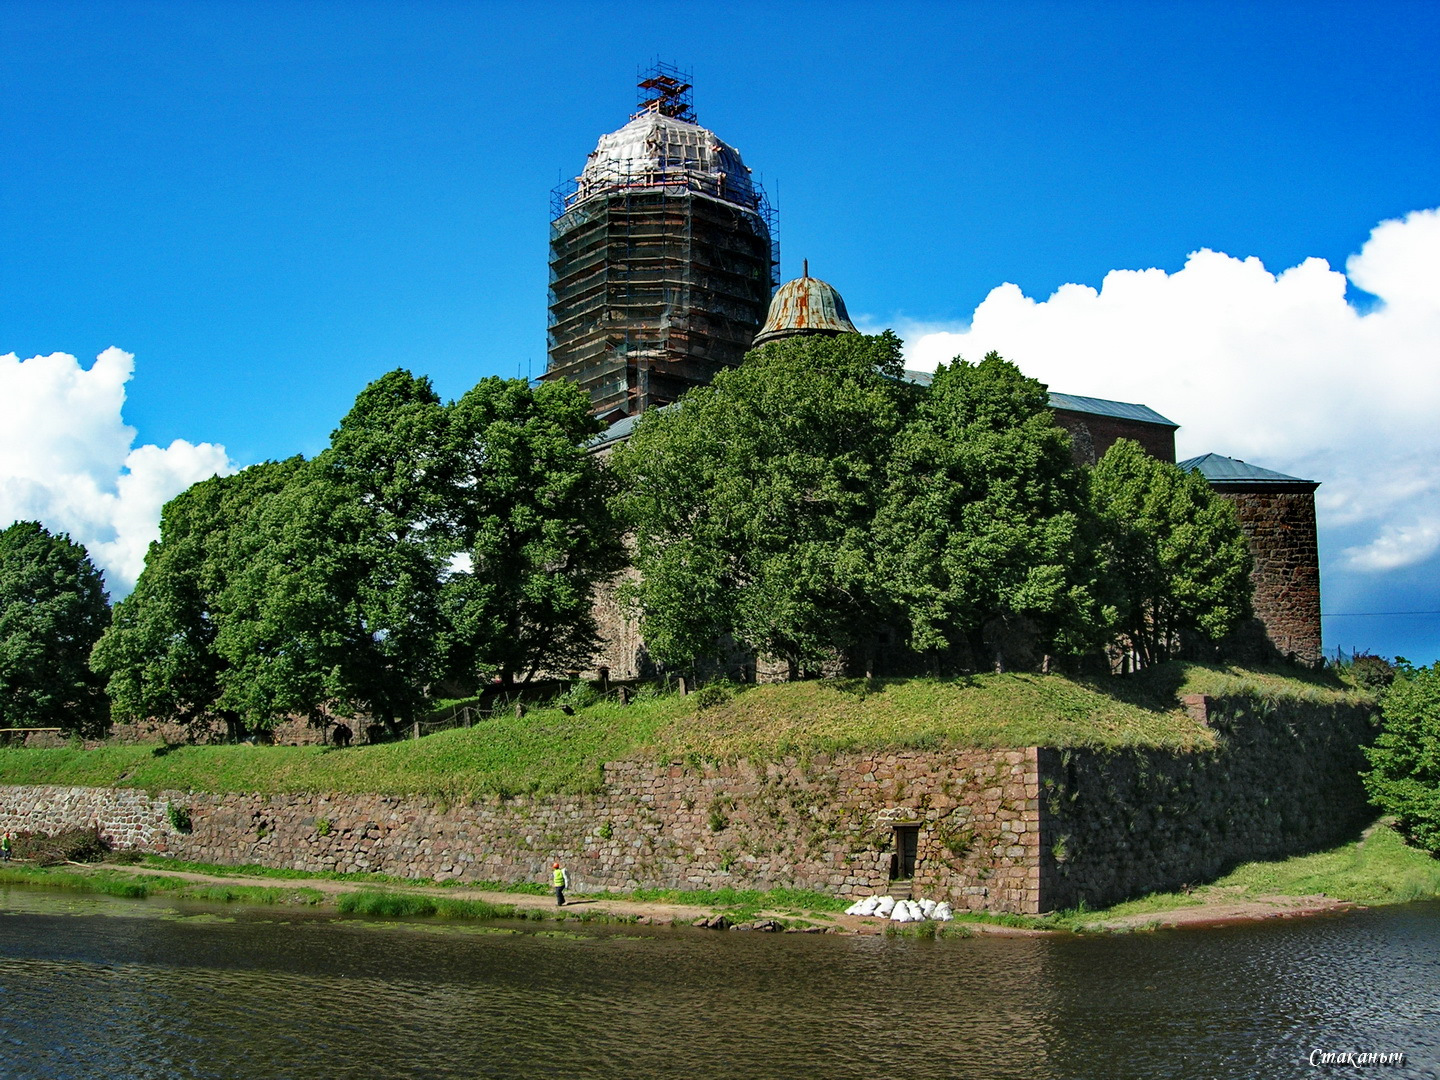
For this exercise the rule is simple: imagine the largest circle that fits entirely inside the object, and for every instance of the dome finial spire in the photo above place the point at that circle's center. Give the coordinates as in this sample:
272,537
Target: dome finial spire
806,271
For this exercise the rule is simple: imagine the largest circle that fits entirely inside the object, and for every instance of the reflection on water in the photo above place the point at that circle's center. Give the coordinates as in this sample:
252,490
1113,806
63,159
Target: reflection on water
98,987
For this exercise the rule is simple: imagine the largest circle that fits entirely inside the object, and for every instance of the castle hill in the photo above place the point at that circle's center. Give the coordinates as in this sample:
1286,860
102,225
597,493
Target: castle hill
730,619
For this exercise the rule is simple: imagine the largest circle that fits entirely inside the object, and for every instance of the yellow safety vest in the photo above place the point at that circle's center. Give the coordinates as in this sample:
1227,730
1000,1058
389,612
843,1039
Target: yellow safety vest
559,879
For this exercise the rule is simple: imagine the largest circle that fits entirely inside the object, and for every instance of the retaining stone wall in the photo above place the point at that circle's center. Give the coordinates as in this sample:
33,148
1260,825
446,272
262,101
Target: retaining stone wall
1284,781
824,824
1003,830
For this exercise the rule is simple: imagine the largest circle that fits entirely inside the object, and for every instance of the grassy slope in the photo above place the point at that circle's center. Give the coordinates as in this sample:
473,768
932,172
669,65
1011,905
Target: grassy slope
1379,868
546,751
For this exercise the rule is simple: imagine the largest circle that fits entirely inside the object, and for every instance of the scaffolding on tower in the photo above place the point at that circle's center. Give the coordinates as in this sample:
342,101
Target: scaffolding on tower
662,257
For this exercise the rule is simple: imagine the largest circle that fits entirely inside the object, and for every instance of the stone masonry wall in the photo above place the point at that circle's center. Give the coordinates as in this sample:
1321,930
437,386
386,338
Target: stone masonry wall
1280,526
825,824
1284,780
1021,831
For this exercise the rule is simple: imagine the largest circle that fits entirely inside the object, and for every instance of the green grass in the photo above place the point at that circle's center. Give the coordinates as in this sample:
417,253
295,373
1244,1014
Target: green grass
139,886
548,752
394,904
743,900
1379,868
162,862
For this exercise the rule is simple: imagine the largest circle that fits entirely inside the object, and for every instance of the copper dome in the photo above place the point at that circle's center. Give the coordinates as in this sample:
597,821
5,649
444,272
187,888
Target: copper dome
805,305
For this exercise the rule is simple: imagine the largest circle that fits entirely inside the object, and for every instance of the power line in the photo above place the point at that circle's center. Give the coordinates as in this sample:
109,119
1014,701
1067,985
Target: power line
1368,614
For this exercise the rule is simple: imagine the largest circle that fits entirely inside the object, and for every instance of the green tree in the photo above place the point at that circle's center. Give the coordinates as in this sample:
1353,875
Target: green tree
1175,559
532,510
984,523
1404,778
335,602
53,609
753,501
158,655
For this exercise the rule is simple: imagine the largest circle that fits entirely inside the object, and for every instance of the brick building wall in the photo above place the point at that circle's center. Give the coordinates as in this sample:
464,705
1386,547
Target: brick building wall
1279,522
1092,434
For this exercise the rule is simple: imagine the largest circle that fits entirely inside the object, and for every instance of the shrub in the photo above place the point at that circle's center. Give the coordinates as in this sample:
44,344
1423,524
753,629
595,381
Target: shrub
1404,779
1373,673
716,693
71,845
179,817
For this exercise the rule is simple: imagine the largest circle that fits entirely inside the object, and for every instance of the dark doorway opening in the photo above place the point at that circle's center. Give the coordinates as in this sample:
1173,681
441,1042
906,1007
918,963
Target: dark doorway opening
907,843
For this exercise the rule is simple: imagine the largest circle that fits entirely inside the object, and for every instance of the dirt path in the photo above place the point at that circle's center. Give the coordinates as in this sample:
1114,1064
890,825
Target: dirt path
1214,910
1222,910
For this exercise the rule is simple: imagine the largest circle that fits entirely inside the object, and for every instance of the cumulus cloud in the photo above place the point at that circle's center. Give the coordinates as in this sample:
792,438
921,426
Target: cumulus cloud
1275,368
68,459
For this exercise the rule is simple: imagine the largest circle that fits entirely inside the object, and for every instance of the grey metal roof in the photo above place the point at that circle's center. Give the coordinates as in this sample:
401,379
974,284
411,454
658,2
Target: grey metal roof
1122,410
1217,468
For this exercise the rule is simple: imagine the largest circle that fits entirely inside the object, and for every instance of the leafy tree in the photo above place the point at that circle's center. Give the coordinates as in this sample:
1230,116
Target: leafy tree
753,501
533,518
427,540
335,603
984,518
1404,779
53,608
158,655
1175,558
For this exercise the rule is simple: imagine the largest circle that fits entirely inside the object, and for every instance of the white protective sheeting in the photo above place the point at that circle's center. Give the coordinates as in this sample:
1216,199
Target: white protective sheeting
656,150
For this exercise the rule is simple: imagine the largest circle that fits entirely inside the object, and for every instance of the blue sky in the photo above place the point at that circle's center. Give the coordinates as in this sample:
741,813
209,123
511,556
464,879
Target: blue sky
270,204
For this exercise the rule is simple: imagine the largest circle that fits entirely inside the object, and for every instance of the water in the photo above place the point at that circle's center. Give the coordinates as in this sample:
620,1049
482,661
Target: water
101,987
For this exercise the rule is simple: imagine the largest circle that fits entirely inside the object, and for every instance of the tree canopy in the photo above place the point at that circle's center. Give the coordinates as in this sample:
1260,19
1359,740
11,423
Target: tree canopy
983,523
1175,558
428,540
159,655
1404,778
53,608
752,501
813,500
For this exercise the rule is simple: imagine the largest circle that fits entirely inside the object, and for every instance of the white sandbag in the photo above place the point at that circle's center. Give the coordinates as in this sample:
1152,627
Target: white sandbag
869,904
927,907
917,913
885,907
942,913
854,909
901,913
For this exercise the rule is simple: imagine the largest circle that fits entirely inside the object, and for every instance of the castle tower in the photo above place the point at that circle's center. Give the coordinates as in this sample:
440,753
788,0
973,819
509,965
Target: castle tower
1277,513
661,258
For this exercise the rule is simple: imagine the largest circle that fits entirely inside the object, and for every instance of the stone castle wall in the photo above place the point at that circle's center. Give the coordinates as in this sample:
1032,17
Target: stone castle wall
1023,831
1285,780
1280,526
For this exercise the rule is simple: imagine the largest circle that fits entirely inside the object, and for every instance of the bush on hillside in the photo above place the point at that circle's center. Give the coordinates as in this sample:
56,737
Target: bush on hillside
1405,776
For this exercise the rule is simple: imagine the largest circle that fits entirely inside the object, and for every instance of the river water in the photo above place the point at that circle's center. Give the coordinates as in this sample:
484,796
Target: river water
102,987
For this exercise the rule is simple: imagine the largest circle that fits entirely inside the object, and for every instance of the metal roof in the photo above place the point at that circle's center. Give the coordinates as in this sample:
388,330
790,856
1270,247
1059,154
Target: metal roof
1121,410
1219,469
622,428
805,306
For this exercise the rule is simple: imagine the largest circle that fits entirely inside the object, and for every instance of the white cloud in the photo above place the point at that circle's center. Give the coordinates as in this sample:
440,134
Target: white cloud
1278,369
68,459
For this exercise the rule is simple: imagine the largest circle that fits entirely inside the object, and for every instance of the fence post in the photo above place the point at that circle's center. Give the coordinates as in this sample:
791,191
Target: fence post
417,729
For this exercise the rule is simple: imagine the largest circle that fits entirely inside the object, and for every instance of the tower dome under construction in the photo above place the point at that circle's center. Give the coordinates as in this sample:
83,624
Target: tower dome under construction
661,258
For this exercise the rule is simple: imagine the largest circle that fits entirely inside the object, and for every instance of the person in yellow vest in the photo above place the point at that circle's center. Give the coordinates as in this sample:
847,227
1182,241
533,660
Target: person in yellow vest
562,882
5,846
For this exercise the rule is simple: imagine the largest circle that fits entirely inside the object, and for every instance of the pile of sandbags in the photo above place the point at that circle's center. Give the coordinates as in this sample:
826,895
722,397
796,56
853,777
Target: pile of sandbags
887,907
